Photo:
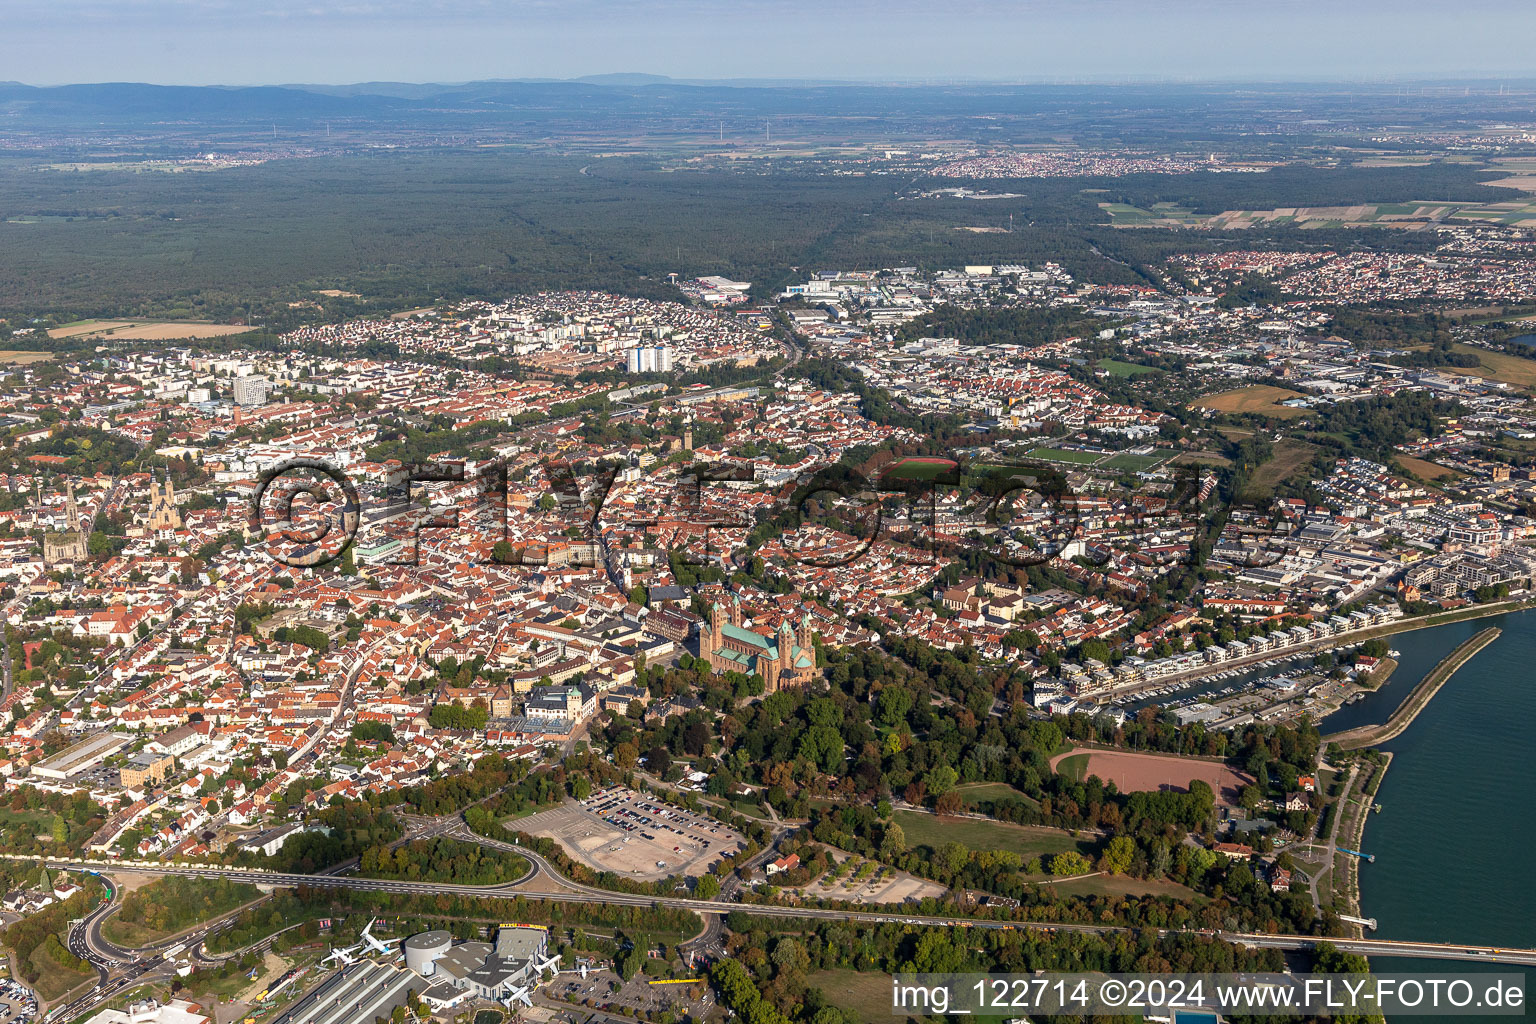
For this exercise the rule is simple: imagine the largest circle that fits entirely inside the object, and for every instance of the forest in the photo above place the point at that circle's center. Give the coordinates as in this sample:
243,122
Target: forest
443,860
1374,426
256,244
353,827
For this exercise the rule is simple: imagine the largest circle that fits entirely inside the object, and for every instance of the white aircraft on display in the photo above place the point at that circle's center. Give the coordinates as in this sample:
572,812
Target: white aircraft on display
344,955
520,993
378,945
553,964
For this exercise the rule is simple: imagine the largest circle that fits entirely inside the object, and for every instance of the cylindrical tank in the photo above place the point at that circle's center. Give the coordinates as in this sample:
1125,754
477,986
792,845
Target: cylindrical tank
423,950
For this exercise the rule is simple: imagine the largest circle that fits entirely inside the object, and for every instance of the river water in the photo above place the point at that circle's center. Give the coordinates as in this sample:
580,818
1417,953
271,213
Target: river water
1455,840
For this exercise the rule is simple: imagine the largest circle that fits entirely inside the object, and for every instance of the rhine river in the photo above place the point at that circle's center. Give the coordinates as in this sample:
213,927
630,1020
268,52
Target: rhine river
1455,838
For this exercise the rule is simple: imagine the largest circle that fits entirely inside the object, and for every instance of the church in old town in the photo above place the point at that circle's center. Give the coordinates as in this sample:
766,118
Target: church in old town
783,658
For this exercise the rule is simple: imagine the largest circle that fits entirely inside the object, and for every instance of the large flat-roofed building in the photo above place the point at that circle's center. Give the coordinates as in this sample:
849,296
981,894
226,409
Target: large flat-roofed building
145,768
725,394
521,942
82,756
272,840
354,995
178,741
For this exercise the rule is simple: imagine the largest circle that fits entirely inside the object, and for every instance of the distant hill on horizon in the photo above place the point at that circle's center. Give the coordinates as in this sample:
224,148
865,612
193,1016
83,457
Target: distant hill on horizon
641,94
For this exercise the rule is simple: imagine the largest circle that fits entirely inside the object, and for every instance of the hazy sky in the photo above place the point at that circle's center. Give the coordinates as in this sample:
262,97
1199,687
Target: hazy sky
335,41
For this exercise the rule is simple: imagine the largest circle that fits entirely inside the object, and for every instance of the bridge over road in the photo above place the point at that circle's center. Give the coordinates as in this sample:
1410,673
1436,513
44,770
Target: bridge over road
1392,947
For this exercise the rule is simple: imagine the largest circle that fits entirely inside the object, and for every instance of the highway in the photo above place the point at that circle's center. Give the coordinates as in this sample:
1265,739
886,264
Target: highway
142,966
119,968
85,941
139,967
574,893
137,972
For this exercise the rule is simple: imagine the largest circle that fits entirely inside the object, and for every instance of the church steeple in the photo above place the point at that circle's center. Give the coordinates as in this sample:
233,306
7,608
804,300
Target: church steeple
71,509
69,545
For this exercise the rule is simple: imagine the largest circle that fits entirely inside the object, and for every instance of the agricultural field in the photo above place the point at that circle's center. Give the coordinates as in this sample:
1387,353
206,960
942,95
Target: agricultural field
1425,470
22,358
1263,399
1523,182
1511,369
1123,215
146,330
82,327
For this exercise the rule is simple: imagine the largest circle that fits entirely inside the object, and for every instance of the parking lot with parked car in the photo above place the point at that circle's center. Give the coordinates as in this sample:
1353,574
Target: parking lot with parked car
633,834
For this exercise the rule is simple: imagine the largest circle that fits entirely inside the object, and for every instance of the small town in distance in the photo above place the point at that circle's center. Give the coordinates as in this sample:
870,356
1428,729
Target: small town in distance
697,549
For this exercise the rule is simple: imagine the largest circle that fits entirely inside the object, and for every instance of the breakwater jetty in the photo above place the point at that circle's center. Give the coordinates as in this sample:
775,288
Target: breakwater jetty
1372,735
